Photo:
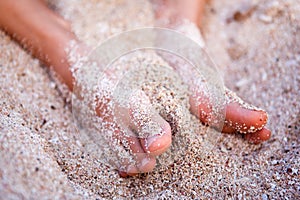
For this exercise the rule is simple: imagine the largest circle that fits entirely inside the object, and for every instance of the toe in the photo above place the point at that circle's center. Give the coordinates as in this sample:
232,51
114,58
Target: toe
238,119
152,130
145,133
145,165
138,161
158,144
259,136
244,120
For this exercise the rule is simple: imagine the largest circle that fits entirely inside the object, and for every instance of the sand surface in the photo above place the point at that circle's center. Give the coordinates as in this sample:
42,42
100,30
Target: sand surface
256,46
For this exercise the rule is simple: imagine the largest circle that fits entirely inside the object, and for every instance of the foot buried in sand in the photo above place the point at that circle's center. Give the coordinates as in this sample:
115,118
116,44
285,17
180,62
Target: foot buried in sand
127,126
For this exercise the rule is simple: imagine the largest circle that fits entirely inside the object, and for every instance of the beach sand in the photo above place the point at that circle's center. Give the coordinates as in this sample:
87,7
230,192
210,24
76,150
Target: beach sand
256,46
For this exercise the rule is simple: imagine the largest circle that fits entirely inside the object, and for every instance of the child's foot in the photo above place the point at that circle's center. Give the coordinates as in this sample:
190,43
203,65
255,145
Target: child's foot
136,128
248,121
186,16
240,118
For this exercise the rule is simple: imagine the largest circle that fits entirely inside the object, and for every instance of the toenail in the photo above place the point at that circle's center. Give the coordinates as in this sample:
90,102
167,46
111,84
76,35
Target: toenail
151,140
144,162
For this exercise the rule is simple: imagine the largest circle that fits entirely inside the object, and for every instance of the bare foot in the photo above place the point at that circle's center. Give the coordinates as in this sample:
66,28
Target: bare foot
239,118
126,120
186,17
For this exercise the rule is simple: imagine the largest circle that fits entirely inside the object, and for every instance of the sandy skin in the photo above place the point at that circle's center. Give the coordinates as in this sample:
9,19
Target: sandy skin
31,29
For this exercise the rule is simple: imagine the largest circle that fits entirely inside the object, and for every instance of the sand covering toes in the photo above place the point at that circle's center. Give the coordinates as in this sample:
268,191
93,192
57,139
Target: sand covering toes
243,117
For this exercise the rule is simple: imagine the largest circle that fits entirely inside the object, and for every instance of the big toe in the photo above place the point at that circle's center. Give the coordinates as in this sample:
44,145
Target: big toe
159,143
152,130
244,120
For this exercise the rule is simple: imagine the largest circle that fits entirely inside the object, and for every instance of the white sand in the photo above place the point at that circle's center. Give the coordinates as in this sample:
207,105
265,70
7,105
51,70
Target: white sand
42,155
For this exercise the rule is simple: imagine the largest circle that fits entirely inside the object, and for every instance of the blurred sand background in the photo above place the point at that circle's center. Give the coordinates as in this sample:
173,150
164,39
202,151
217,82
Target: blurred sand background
256,44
